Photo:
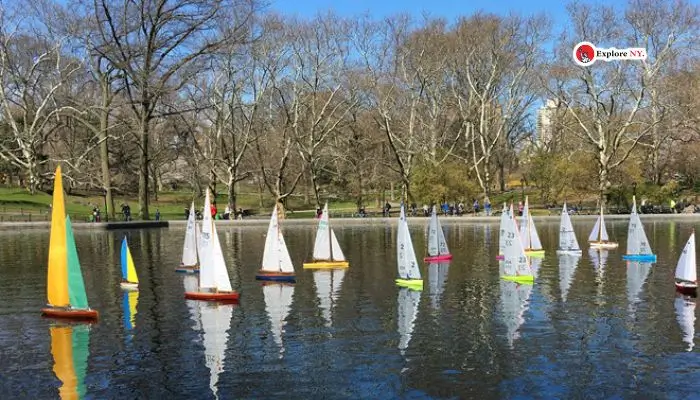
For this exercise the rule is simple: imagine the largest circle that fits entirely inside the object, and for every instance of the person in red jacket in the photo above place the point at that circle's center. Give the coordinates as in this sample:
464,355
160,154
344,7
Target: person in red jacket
213,210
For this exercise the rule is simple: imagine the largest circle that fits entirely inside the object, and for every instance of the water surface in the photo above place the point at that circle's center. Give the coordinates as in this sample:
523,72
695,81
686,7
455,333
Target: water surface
592,327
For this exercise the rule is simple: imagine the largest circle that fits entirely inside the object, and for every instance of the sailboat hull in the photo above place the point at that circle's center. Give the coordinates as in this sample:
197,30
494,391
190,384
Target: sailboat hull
603,245
213,296
688,288
326,264
519,278
188,269
570,252
67,313
640,257
534,253
129,286
275,276
500,257
415,284
441,257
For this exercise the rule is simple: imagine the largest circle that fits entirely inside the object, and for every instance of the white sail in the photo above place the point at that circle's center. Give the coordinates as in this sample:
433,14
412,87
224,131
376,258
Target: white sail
514,303
406,255
637,242
432,234
442,243
502,230
686,269
437,277
567,269
198,238
216,320
336,252
685,314
535,243
567,236
525,225
221,278
328,284
207,269
407,312
322,246
636,276
515,260
595,233
189,248
278,301
276,256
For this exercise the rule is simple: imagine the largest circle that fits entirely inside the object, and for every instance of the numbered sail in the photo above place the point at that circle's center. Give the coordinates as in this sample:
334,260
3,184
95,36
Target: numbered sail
567,236
408,300
515,260
276,256
189,248
502,230
637,242
207,268
406,255
437,245
216,321
685,315
686,269
278,301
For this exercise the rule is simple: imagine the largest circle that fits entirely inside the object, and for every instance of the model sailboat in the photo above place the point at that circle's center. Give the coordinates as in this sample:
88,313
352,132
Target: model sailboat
214,282
276,263
567,268
409,273
437,246
599,235
437,278
528,234
65,287
685,314
514,303
686,269
130,281
70,350
190,248
516,266
327,252
278,302
328,284
502,232
408,310
567,237
638,248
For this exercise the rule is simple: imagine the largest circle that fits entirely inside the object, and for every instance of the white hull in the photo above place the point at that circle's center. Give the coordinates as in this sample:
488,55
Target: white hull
604,245
129,286
686,285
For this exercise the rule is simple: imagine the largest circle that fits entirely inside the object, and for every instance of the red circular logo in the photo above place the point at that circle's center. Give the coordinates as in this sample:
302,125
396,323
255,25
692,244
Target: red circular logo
585,54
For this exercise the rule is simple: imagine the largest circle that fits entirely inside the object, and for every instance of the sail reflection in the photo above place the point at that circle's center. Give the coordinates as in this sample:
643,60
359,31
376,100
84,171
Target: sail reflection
130,299
278,302
636,276
685,314
437,278
69,347
328,284
216,321
567,268
514,303
408,310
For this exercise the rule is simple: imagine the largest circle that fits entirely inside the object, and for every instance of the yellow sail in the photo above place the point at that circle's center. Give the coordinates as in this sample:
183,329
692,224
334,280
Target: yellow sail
57,283
130,269
62,351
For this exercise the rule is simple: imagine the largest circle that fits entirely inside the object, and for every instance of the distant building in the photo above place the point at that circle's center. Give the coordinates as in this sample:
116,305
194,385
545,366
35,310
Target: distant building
545,117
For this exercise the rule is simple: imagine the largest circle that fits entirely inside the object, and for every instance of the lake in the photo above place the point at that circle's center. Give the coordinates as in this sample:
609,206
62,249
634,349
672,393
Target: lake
589,328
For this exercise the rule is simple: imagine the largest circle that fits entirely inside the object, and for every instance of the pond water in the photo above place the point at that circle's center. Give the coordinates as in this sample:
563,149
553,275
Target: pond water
594,328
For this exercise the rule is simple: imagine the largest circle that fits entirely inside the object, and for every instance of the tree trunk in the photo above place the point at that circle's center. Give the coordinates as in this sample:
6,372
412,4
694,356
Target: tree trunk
144,165
502,177
231,194
314,187
281,214
104,161
602,178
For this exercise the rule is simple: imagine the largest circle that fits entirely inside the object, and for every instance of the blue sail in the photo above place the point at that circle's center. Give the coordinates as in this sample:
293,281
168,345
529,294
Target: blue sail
125,249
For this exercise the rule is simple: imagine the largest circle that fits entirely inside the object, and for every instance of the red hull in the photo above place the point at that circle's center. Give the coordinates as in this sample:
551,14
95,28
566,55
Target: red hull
691,291
500,257
442,257
214,296
83,315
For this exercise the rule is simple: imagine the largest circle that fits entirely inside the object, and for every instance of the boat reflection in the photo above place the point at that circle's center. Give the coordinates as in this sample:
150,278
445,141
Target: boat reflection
685,314
514,303
278,302
408,302
567,268
328,284
437,278
70,350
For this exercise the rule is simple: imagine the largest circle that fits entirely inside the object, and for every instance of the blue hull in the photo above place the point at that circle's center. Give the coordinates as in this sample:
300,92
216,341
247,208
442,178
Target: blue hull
640,257
187,270
276,278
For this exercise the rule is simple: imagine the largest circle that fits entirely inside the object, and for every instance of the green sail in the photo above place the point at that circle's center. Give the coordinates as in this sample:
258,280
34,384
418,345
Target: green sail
76,286
81,342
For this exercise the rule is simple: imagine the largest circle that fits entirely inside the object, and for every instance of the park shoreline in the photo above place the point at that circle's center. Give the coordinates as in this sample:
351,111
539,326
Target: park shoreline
264,221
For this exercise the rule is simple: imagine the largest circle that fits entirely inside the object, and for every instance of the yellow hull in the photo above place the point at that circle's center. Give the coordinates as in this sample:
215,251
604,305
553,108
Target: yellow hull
529,279
534,253
415,284
326,264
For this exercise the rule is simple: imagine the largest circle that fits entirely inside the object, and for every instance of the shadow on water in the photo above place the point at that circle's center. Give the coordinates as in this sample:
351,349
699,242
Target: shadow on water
591,324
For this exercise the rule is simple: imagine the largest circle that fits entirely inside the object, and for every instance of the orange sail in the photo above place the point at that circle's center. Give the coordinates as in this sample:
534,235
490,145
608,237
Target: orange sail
57,283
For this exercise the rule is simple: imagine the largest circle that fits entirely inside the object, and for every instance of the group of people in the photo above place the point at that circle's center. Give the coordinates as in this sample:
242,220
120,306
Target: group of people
238,214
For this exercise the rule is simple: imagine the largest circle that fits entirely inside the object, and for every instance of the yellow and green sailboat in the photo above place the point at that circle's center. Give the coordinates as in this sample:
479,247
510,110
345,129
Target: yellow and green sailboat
130,281
65,287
